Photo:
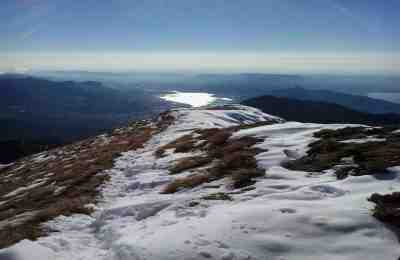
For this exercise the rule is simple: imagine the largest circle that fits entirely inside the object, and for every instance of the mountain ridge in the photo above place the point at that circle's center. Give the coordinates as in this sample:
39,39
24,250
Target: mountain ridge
294,109
36,110
215,174
355,102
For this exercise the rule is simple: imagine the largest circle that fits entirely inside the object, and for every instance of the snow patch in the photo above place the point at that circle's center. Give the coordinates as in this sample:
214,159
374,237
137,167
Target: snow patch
27,250
34,185
288,214
2,166
363,140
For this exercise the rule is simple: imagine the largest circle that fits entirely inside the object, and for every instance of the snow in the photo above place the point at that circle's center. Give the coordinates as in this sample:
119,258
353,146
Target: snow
189,119
27,250
194,99
364,140
394,170
43,157
2,166
102,140
17,191
289,215
396,131
18,168
58,190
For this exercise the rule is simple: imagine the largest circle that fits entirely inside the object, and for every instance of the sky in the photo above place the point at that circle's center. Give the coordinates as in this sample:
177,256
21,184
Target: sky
310,36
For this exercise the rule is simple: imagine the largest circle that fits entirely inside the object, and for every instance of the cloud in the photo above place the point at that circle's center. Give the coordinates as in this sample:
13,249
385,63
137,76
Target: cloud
341,8
32,17
352,15
208,61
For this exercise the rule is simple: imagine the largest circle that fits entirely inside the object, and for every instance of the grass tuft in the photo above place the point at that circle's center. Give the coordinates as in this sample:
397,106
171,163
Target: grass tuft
185,183
190,163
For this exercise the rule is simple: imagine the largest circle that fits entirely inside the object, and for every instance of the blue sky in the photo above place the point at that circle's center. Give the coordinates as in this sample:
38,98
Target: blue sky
66,34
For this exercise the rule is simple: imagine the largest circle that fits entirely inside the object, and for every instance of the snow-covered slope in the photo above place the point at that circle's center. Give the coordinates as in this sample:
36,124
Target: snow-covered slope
284,215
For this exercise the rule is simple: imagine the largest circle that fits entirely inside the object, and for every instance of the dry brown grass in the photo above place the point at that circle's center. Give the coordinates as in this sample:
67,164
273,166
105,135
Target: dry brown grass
183,144
387,208
189,163
219,138
369,157
238,145
64,207
245,177
11,235
78,168
185,183
231,157
31,230
239,159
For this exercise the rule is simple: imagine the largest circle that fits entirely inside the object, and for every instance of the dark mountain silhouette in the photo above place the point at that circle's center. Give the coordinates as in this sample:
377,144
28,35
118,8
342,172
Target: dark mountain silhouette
37,96
317,112
37,113
360,103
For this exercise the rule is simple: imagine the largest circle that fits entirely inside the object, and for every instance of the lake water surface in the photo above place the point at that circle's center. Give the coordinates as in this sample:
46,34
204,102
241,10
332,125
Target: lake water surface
194,99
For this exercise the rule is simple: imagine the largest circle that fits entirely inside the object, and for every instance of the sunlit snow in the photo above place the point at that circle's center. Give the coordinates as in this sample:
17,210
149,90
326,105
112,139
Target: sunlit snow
195,99
286,215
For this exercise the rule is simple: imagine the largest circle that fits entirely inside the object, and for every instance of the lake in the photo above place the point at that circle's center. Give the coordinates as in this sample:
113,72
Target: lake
194,99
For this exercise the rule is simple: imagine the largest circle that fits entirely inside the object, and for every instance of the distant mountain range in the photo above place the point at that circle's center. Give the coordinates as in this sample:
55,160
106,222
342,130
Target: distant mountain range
360,103
317,112
37,113
244,86
350,91
38,96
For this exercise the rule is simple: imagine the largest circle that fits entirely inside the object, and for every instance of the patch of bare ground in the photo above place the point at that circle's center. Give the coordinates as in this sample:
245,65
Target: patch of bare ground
371,157
189,163
183,144
212,136
64,180
217,196
223,156
387,208
188,182
350,158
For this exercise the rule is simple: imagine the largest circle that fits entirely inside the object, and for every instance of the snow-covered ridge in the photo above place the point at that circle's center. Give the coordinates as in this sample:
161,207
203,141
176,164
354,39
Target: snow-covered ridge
220,117
284,215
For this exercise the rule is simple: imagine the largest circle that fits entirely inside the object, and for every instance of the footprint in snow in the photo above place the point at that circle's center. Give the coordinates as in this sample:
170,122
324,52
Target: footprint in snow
279,186
328,190
288,210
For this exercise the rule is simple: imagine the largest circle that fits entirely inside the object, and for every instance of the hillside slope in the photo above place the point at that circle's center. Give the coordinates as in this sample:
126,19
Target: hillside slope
317,112
209,183
36,112
359,103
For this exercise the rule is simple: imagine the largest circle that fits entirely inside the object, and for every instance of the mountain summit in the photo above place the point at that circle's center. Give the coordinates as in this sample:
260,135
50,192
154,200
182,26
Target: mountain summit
227,182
